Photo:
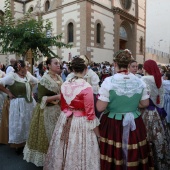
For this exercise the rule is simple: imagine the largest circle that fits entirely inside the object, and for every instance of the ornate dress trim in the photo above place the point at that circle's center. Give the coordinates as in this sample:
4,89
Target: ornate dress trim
51,84
127,86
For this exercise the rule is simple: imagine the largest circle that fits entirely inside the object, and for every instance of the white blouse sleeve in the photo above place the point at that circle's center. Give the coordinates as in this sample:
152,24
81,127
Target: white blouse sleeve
104,91
146,91
95,83
9,69
33,80
7,80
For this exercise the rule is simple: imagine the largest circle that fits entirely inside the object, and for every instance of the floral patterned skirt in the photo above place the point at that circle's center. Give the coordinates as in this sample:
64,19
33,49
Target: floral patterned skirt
158,134
41,130
73,146
139,156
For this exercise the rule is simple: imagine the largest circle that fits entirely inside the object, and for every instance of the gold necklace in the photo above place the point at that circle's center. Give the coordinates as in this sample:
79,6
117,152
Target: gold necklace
55,78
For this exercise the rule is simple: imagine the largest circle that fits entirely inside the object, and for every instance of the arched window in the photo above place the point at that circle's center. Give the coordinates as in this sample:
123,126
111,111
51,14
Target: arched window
126,4
98,34
141,45
30,9
70,32
47,5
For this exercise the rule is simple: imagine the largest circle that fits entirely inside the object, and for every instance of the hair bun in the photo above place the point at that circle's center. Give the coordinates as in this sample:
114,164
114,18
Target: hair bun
78,64
123,58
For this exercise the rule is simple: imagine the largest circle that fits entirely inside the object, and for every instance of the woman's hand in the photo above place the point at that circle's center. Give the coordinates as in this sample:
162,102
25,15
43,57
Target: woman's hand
53,98
96,131
11,96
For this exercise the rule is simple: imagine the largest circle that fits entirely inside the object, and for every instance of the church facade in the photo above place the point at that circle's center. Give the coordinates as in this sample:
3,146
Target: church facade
97,28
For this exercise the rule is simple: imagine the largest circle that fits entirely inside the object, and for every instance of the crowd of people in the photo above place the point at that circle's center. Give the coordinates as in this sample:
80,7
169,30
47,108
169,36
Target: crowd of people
87,116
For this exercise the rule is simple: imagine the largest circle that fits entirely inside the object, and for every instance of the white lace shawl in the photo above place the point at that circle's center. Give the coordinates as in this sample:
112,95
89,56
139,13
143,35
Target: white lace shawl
154,91
11,77
71,90
123,85
51,85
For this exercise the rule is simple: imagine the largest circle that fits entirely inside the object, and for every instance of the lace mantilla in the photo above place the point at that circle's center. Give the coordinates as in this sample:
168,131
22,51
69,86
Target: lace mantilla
71,89
91,124
50,84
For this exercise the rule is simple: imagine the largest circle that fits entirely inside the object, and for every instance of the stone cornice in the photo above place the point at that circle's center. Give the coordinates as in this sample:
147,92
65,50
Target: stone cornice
124,14
23,2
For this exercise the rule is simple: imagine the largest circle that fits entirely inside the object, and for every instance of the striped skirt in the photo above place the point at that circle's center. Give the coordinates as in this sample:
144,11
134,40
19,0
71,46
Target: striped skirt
138,153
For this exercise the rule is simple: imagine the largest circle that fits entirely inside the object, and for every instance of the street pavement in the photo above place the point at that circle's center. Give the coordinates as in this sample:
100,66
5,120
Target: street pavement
9,160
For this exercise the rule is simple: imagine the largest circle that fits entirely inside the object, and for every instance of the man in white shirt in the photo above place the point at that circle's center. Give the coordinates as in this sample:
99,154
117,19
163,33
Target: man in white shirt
10,67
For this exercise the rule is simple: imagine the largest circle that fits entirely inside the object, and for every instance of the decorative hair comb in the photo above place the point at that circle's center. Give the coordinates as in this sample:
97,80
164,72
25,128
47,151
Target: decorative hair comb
84,57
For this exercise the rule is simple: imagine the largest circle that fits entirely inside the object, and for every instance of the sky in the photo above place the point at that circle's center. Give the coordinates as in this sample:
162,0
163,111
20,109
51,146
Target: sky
158,25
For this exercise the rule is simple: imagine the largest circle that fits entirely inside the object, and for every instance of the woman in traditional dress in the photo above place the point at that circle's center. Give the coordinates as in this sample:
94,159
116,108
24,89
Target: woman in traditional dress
166,85
74,144
45,114
133,68
154,117
123,143
21,102
2,95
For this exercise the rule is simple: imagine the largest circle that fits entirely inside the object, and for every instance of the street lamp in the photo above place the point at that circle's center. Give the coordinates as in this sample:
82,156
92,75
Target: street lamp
159,42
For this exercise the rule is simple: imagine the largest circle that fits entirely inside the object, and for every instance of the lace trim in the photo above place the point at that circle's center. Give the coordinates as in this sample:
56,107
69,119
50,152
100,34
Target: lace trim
71,89
91,124
43,102
34,156
50,84
126,87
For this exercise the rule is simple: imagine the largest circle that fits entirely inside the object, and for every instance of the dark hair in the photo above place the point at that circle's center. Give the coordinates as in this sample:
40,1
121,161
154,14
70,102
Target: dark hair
48,61
40,66
3,67
69,66
123,58
167,74
164,69
78,65
140,66
18,64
